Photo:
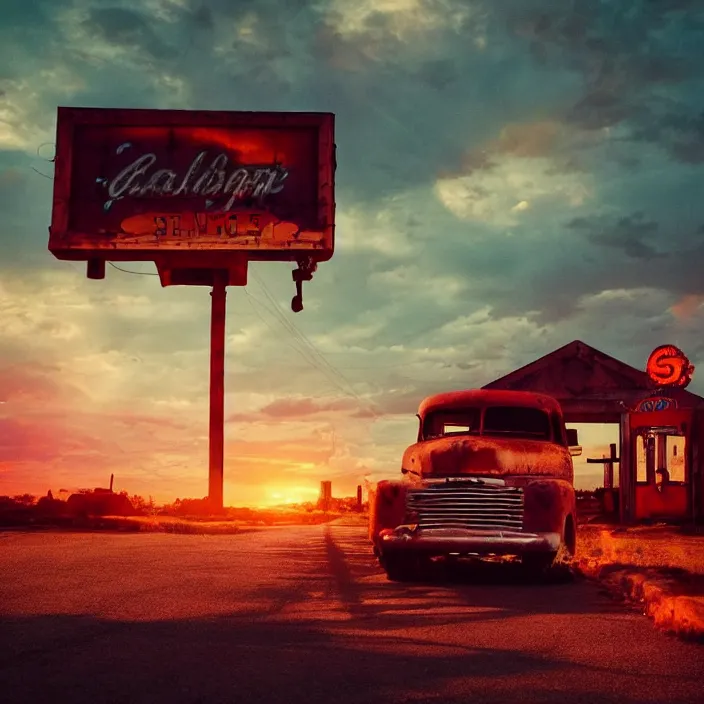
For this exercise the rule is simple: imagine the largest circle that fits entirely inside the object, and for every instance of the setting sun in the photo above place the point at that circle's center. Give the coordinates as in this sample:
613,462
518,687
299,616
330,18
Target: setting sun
283,495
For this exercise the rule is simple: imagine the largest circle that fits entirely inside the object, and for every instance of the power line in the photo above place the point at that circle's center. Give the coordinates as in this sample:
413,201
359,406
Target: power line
302,351
316,354
300,336
295,333
307,350
127,271
51,178
291,328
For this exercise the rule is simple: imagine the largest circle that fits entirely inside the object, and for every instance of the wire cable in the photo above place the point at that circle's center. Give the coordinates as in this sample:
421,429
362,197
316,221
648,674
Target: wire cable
302,351
127,271
299,335
306,358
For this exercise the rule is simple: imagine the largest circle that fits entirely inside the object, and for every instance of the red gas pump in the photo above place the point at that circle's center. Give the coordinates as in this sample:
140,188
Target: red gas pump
661,463
665,445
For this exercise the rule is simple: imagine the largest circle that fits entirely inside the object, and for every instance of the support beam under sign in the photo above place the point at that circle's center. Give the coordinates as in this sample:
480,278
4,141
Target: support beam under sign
217,390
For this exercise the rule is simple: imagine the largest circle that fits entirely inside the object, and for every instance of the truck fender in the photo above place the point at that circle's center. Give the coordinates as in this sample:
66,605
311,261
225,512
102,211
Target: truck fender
387,507
547,505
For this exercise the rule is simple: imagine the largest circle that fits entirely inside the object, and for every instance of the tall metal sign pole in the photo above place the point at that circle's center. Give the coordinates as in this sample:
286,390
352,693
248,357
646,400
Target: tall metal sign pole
201,194
217,390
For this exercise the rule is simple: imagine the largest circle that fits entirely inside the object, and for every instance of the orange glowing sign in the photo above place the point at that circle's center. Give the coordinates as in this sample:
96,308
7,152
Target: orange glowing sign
144,184
669,366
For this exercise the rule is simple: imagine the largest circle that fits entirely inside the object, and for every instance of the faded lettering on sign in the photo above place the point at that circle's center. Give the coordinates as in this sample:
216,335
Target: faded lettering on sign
218,180
261,227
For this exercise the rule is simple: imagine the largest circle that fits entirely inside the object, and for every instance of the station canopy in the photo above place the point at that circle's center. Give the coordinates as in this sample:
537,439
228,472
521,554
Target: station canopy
591,386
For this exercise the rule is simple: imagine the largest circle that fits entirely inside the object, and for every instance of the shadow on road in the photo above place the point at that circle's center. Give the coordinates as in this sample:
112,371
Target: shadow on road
230,659
335,631
493,591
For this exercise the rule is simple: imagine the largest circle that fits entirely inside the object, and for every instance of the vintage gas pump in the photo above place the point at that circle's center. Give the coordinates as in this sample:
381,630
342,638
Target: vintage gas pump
661,444
665,445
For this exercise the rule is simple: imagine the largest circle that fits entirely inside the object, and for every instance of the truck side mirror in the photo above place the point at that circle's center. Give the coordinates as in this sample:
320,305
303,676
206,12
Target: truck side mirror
573,442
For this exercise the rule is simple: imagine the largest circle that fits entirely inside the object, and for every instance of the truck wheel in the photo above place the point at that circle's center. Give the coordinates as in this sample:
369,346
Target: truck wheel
403,568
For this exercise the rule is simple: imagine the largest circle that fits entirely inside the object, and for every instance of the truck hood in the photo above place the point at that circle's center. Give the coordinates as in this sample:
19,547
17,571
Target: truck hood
488,456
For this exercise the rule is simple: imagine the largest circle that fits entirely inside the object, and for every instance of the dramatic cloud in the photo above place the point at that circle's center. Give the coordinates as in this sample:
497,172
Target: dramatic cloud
512,176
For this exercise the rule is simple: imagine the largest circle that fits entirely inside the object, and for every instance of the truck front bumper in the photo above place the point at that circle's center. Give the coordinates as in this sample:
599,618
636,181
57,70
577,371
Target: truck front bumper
459,541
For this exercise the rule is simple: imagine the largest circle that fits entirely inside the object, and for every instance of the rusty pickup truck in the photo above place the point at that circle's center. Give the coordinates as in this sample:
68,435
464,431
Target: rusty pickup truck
491,474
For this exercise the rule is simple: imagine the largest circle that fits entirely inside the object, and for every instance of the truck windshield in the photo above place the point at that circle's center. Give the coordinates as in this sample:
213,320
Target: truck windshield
529,423
452,422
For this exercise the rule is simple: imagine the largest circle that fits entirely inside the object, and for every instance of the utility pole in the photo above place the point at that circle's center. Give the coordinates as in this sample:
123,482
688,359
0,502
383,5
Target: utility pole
608,463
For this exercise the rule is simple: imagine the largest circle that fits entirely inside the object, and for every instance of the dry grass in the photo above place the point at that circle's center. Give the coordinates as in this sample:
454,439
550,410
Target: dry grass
654,547
160,524
199,525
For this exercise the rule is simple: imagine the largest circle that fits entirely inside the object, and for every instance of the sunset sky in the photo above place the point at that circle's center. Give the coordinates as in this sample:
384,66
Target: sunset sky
512,175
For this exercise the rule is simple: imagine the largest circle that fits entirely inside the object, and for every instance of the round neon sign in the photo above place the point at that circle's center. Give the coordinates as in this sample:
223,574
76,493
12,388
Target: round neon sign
668,366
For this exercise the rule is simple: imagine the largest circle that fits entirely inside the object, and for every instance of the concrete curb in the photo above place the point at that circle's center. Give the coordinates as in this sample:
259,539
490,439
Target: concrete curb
660,594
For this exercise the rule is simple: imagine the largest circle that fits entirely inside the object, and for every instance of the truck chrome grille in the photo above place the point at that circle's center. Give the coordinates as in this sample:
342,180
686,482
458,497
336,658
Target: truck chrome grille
477,507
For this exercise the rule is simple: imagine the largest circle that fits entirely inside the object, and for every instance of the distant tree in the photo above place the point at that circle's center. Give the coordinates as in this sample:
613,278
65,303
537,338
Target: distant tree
25,499
139,502
191,507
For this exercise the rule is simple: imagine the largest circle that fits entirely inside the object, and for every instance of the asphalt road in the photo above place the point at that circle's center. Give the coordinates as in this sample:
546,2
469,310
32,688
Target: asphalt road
304,615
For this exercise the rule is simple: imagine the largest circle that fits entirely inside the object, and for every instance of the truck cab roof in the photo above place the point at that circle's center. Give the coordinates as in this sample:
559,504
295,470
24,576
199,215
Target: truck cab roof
487,397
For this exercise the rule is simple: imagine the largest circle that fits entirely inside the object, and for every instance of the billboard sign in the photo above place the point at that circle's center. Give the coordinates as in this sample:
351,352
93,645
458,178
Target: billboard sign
144,184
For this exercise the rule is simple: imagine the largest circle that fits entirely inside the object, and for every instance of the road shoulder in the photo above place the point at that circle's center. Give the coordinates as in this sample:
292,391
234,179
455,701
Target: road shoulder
658,569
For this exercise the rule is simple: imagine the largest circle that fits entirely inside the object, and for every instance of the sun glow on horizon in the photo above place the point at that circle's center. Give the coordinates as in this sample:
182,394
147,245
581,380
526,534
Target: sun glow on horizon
282,495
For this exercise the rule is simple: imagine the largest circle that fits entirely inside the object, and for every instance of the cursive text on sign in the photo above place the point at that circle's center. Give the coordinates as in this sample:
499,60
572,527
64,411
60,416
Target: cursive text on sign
213,179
